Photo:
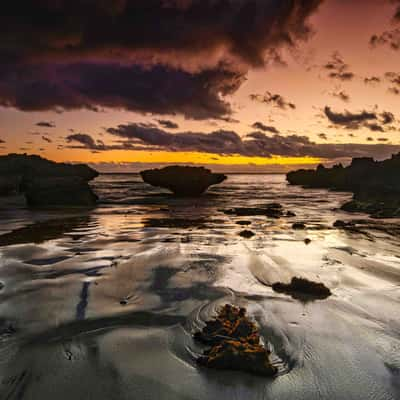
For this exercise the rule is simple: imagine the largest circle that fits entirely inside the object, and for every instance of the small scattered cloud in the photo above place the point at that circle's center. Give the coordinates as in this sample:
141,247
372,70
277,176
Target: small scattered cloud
46,124
390,38
168,124
372,80
323,136
265,128
342,95
275,100
338,69
47,139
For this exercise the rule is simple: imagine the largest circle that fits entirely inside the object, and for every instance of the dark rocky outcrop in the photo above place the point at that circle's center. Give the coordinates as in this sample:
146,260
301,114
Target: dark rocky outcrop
375,184
303,289
46,183
235,344
182,181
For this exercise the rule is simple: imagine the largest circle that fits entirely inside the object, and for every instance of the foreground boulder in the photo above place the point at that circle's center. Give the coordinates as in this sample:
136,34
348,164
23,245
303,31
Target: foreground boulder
375,184
235,344
182,181
46,183
303,289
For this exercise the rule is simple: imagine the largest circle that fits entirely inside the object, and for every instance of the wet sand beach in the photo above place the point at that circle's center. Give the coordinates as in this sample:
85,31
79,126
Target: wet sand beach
102,304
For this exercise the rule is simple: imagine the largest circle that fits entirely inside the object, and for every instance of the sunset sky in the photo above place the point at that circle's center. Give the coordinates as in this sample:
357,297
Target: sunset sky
240,85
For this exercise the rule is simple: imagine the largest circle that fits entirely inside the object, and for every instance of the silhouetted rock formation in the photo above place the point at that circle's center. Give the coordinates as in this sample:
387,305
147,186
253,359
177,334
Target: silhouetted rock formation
303,289
46,183
182,181
235,344
375,184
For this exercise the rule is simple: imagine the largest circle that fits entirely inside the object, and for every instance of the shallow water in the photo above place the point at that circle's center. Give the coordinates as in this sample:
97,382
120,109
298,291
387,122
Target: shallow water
101,304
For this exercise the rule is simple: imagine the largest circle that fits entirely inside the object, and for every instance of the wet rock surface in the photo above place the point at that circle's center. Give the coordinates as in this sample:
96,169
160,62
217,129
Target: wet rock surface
375,184
272,210
303,289
235,344
182,181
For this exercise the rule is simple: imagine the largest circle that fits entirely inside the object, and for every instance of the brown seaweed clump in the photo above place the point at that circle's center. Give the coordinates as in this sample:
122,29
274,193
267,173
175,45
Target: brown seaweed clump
235,344
303,289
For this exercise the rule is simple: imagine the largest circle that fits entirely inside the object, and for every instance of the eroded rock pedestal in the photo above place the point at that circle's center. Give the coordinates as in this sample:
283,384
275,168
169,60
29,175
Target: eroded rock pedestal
182,181
235,344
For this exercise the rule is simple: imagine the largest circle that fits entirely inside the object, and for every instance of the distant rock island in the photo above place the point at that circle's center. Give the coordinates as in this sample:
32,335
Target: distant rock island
375,184
46,183
181,180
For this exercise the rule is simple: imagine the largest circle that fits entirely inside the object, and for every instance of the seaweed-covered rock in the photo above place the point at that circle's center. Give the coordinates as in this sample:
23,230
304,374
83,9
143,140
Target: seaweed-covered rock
182,181
46,183
303,289
235,344
375,184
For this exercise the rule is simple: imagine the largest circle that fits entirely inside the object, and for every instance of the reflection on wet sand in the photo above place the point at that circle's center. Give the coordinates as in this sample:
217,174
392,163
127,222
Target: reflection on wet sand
104,305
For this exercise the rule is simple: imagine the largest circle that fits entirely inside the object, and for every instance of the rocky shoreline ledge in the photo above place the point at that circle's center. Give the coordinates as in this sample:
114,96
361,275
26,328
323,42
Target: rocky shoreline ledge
45,183
375,184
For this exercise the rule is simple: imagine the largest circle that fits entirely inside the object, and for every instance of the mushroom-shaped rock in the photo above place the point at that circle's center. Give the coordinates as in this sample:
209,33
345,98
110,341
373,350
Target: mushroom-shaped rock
182,181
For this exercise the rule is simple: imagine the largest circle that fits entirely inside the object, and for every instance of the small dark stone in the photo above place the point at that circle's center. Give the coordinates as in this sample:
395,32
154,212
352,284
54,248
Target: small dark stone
123,302
243,222
290,214
246,234
299,226
307,241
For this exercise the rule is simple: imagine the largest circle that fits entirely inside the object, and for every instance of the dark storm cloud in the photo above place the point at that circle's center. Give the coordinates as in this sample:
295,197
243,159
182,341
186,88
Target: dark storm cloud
144,136
338,69
160,56
46,124
273,99
166,123
265,128
160,90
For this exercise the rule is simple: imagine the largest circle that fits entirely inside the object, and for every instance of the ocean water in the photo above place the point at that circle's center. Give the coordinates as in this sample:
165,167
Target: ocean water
102,304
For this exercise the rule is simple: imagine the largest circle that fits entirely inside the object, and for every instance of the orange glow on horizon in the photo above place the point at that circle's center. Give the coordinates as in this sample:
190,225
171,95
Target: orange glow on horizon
123,156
